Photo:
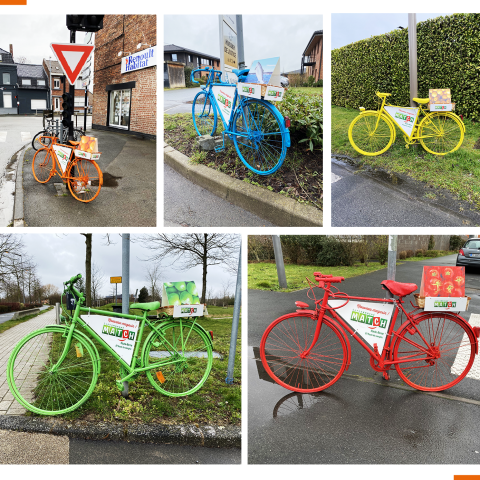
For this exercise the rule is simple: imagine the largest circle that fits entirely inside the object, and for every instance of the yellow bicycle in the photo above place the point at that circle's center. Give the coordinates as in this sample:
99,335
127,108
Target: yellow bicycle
373,132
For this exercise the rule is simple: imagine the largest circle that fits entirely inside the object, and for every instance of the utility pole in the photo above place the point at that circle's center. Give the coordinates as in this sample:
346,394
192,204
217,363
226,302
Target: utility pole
392,260
125,272
277,248
412,53
241,51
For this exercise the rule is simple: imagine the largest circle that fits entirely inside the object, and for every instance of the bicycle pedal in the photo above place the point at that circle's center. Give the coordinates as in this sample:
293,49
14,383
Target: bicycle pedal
219,148
386,375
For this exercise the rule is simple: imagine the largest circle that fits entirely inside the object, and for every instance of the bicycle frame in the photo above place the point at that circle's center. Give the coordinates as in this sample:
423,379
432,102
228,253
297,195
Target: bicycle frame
384,364
132,369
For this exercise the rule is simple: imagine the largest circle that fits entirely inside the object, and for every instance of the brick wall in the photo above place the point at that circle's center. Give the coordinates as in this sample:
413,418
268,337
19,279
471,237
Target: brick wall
124,33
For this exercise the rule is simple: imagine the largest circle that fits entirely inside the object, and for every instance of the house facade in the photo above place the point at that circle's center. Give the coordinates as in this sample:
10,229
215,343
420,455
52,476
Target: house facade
24,87
312,58
125,75
191,58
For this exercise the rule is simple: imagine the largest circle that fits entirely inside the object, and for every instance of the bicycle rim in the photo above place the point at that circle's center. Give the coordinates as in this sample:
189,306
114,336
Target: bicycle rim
368,138
204,115
448,336
37,143
44,391
43,166
258,137
85,180
441,133
291,335
183,369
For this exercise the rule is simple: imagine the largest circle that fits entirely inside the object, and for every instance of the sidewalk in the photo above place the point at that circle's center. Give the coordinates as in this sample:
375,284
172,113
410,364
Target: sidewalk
11,412
127,197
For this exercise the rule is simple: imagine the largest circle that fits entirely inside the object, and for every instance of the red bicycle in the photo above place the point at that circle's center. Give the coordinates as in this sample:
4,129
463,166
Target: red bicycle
307,351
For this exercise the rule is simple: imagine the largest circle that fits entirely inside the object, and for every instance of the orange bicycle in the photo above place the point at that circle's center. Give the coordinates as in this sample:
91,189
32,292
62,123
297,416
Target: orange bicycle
83,176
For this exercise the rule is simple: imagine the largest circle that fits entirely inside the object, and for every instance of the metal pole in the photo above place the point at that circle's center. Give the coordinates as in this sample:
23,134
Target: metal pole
241,52
220,31
236,320
72,93
85,111
392,259
57,314
125,273
277,248
412,52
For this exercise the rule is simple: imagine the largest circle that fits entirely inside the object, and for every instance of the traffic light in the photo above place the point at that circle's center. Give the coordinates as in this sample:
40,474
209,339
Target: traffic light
85,23
68,108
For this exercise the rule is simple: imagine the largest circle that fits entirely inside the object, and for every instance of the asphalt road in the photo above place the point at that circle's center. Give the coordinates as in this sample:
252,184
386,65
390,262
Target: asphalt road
175,101
5,317
361,418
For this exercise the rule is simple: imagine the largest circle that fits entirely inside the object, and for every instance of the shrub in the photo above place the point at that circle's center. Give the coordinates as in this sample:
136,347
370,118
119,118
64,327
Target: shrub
318,83
311,245
311,81
4,309
431,243
402,255
419,253
296,79
332,253
188,82
455,242
432,253
291,247
410,253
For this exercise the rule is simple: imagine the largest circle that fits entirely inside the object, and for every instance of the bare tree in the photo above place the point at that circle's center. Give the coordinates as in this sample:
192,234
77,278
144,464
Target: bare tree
98,279
193,249
21,59
153,277
226,286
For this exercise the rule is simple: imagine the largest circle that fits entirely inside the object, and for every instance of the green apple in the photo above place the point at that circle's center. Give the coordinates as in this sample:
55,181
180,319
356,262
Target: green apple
168,284
192,288
174,299
186,298
195,300
180,286
171,290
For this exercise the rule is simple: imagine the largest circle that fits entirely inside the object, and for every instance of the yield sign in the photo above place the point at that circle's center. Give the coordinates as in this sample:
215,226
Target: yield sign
72,57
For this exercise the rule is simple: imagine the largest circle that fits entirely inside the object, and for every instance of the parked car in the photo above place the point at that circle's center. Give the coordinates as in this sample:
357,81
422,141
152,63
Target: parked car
469,254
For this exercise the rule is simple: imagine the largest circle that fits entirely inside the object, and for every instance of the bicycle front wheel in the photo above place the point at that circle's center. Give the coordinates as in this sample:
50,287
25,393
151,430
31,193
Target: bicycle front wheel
37,141
181,358
441,133
369,138
204,114
43,165
44,387
85,179
288,337
259,136
441,358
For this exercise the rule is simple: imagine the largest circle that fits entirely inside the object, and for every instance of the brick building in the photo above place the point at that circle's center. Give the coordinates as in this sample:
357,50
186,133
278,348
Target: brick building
190,58
125,75
312,58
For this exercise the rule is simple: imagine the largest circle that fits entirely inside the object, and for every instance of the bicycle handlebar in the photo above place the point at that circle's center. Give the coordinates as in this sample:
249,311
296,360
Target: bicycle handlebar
206,69
319,277
74,279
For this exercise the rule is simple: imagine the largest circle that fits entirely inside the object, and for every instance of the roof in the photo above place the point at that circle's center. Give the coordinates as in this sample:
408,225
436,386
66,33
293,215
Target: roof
175,48
317,33
8,58
30,71
53,67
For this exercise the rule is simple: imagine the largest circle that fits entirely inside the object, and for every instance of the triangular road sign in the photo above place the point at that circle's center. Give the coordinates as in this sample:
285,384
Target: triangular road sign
72,57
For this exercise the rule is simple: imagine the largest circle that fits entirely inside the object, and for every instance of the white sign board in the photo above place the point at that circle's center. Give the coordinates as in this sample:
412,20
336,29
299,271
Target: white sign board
224,97
118,333
231,21
250,90
404,117
143,59
188,310
274,94
445,304
441,107
63,155
369,319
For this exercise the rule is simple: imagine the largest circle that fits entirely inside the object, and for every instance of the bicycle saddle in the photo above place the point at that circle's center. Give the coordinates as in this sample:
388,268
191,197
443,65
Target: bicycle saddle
146,306
398,288
381,95
421,100
240,72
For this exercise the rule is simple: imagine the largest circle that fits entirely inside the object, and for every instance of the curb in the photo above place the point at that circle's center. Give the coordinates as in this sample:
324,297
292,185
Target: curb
205,436
279,210
18,215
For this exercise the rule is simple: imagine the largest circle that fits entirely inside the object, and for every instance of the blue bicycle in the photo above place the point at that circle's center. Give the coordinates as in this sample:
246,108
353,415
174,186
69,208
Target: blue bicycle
258,130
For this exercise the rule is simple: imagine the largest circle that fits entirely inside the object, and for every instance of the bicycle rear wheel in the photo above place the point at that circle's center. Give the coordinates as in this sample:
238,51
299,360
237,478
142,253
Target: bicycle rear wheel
85,179
441,133
43,389
204,114
291,335
37,143
454,352
259,136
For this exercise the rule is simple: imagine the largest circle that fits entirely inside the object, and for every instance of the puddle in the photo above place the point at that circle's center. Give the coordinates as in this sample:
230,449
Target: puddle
110,180
383,176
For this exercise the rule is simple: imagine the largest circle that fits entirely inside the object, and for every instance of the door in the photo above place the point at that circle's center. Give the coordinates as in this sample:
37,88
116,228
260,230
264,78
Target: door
120,108
7,100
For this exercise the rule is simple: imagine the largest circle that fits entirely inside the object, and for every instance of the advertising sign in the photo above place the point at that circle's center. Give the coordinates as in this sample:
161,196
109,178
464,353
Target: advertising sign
369,319
265,72
456,304
143,59
443,282
230,47
187,311
63,154
274,94
404,117
118,333
224,98
440,95
441,107
250,90
180,293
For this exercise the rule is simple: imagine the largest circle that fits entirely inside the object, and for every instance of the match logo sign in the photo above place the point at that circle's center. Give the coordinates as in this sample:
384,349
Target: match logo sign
405,118
224,99
251,90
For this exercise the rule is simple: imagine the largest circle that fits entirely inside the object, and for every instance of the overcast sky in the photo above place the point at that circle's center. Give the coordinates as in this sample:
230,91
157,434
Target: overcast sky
59,257
265,36
352,27
31,35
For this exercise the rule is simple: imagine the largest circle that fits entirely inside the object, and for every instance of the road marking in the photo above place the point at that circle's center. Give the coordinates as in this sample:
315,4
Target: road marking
3,136
26,136
171,108
335,178
464,353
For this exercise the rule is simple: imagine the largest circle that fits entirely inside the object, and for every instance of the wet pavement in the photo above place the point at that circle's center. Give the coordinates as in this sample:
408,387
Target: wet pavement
392,200
362,418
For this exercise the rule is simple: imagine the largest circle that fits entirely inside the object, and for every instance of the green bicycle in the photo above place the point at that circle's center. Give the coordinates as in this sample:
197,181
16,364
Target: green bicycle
54,370
373,132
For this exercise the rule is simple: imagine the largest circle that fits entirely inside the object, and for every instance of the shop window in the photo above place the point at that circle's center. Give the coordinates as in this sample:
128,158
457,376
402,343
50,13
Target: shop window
119,115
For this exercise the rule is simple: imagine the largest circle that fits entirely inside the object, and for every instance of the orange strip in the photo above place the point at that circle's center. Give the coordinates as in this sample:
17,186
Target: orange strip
466,477
13,2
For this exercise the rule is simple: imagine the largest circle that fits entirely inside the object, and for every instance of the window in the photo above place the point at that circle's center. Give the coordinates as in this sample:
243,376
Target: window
38,104
0,58
189,59
56,83
6,79
120,108
57,103
79,101
7,100
174,57
26,81
41,83
78,84
205,61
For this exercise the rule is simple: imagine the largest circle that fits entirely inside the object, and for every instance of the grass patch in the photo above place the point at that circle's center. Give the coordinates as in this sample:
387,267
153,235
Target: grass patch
13,323
309,90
